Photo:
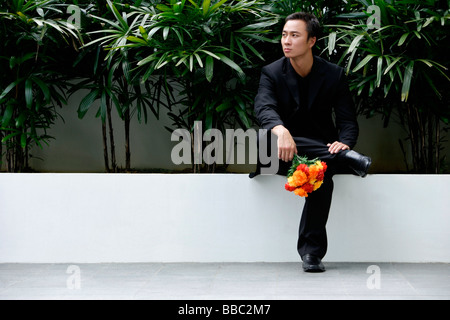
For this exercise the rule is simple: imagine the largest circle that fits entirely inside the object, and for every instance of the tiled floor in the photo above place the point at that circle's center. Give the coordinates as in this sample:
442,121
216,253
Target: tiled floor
223,281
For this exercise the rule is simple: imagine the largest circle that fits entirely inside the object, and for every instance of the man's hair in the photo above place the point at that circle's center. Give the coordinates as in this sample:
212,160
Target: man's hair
312,23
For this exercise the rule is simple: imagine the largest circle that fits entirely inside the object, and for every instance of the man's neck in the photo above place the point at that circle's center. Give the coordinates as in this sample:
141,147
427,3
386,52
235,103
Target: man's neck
303,65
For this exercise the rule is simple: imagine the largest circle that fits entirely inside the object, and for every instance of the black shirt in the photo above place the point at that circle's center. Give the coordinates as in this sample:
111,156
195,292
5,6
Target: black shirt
301,123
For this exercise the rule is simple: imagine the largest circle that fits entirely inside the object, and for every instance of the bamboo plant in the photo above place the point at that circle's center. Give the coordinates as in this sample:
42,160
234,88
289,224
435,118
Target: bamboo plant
34,37
204,50
396,55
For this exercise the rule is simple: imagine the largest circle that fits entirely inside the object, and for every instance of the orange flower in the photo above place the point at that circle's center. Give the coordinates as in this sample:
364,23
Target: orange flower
317,185
290,188
314,172
305,176
300,192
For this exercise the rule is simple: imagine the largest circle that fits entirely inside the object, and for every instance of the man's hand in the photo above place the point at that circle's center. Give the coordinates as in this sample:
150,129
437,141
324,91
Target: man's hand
337,146
286,144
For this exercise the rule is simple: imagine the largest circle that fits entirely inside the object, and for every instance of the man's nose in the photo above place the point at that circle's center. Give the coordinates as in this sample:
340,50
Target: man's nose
287,40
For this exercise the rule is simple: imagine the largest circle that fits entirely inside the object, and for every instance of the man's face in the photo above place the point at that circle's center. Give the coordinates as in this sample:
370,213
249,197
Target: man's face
295,40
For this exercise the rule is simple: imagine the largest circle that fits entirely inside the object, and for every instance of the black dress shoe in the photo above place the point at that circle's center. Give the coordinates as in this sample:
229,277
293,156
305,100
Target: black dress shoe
312,263
359,163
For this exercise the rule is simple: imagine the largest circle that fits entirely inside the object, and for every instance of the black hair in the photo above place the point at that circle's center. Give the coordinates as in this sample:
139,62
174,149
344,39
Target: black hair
312,23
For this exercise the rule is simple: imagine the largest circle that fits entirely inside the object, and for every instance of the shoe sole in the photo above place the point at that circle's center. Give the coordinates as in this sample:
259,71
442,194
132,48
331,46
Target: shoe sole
313,269
367,168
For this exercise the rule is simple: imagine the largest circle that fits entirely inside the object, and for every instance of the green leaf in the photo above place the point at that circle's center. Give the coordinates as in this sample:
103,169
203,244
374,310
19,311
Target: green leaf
86,103
209,68
23,140
364,62
191,63
427,62
298,160
44,88
143,33
243,116
8,89
217,5
122,22
355,43
7,115
255,52
331,42
215,56
163,7
224,106
28,93
18,61
137,40
199,60
194,4
153,31
21,120
429,20
407,81
231,64
379,70
166,32
10,136
205,6
391,65
403,39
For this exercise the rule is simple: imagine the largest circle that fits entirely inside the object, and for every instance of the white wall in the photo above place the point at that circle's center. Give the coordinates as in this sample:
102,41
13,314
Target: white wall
216,218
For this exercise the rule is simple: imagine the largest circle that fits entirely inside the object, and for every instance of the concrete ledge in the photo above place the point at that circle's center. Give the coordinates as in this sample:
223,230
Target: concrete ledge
90,218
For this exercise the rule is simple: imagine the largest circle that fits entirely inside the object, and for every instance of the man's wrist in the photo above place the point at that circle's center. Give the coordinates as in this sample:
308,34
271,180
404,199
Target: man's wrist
279,130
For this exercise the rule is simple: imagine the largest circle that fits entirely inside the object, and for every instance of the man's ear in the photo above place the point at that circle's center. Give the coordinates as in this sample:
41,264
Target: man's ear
312,41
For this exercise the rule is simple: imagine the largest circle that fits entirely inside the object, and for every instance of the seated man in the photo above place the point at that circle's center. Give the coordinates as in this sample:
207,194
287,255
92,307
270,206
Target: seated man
305,102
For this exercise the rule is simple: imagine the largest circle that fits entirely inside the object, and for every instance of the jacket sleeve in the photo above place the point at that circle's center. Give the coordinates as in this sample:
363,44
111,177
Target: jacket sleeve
266,104
345,113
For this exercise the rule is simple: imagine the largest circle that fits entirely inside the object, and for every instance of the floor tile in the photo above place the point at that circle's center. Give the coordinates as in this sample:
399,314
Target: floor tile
223,281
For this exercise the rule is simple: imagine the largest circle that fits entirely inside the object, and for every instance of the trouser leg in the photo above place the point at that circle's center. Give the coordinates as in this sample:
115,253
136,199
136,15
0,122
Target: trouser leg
312,235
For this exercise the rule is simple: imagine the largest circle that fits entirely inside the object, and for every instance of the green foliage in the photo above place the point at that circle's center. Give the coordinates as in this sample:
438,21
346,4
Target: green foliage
400,68
32,83
109,80
205,51
404,47
200,60
298,160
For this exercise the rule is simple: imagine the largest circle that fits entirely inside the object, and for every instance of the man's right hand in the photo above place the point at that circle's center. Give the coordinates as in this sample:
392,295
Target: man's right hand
286,144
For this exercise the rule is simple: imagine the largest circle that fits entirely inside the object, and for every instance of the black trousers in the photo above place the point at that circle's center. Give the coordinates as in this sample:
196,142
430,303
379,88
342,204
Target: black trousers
312,235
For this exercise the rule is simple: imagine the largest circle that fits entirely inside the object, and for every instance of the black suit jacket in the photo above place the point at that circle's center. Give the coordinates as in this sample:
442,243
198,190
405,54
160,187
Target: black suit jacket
330,106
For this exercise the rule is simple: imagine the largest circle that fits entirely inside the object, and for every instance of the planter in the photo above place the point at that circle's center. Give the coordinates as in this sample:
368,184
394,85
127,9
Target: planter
90,218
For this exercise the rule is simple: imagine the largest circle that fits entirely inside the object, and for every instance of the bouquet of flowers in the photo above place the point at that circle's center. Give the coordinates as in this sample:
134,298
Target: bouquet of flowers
305,176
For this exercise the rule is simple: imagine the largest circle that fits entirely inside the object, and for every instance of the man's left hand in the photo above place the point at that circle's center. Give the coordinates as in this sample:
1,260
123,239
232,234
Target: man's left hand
337,146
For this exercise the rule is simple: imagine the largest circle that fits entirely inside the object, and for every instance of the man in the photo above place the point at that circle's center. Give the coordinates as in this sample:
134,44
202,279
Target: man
306,103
